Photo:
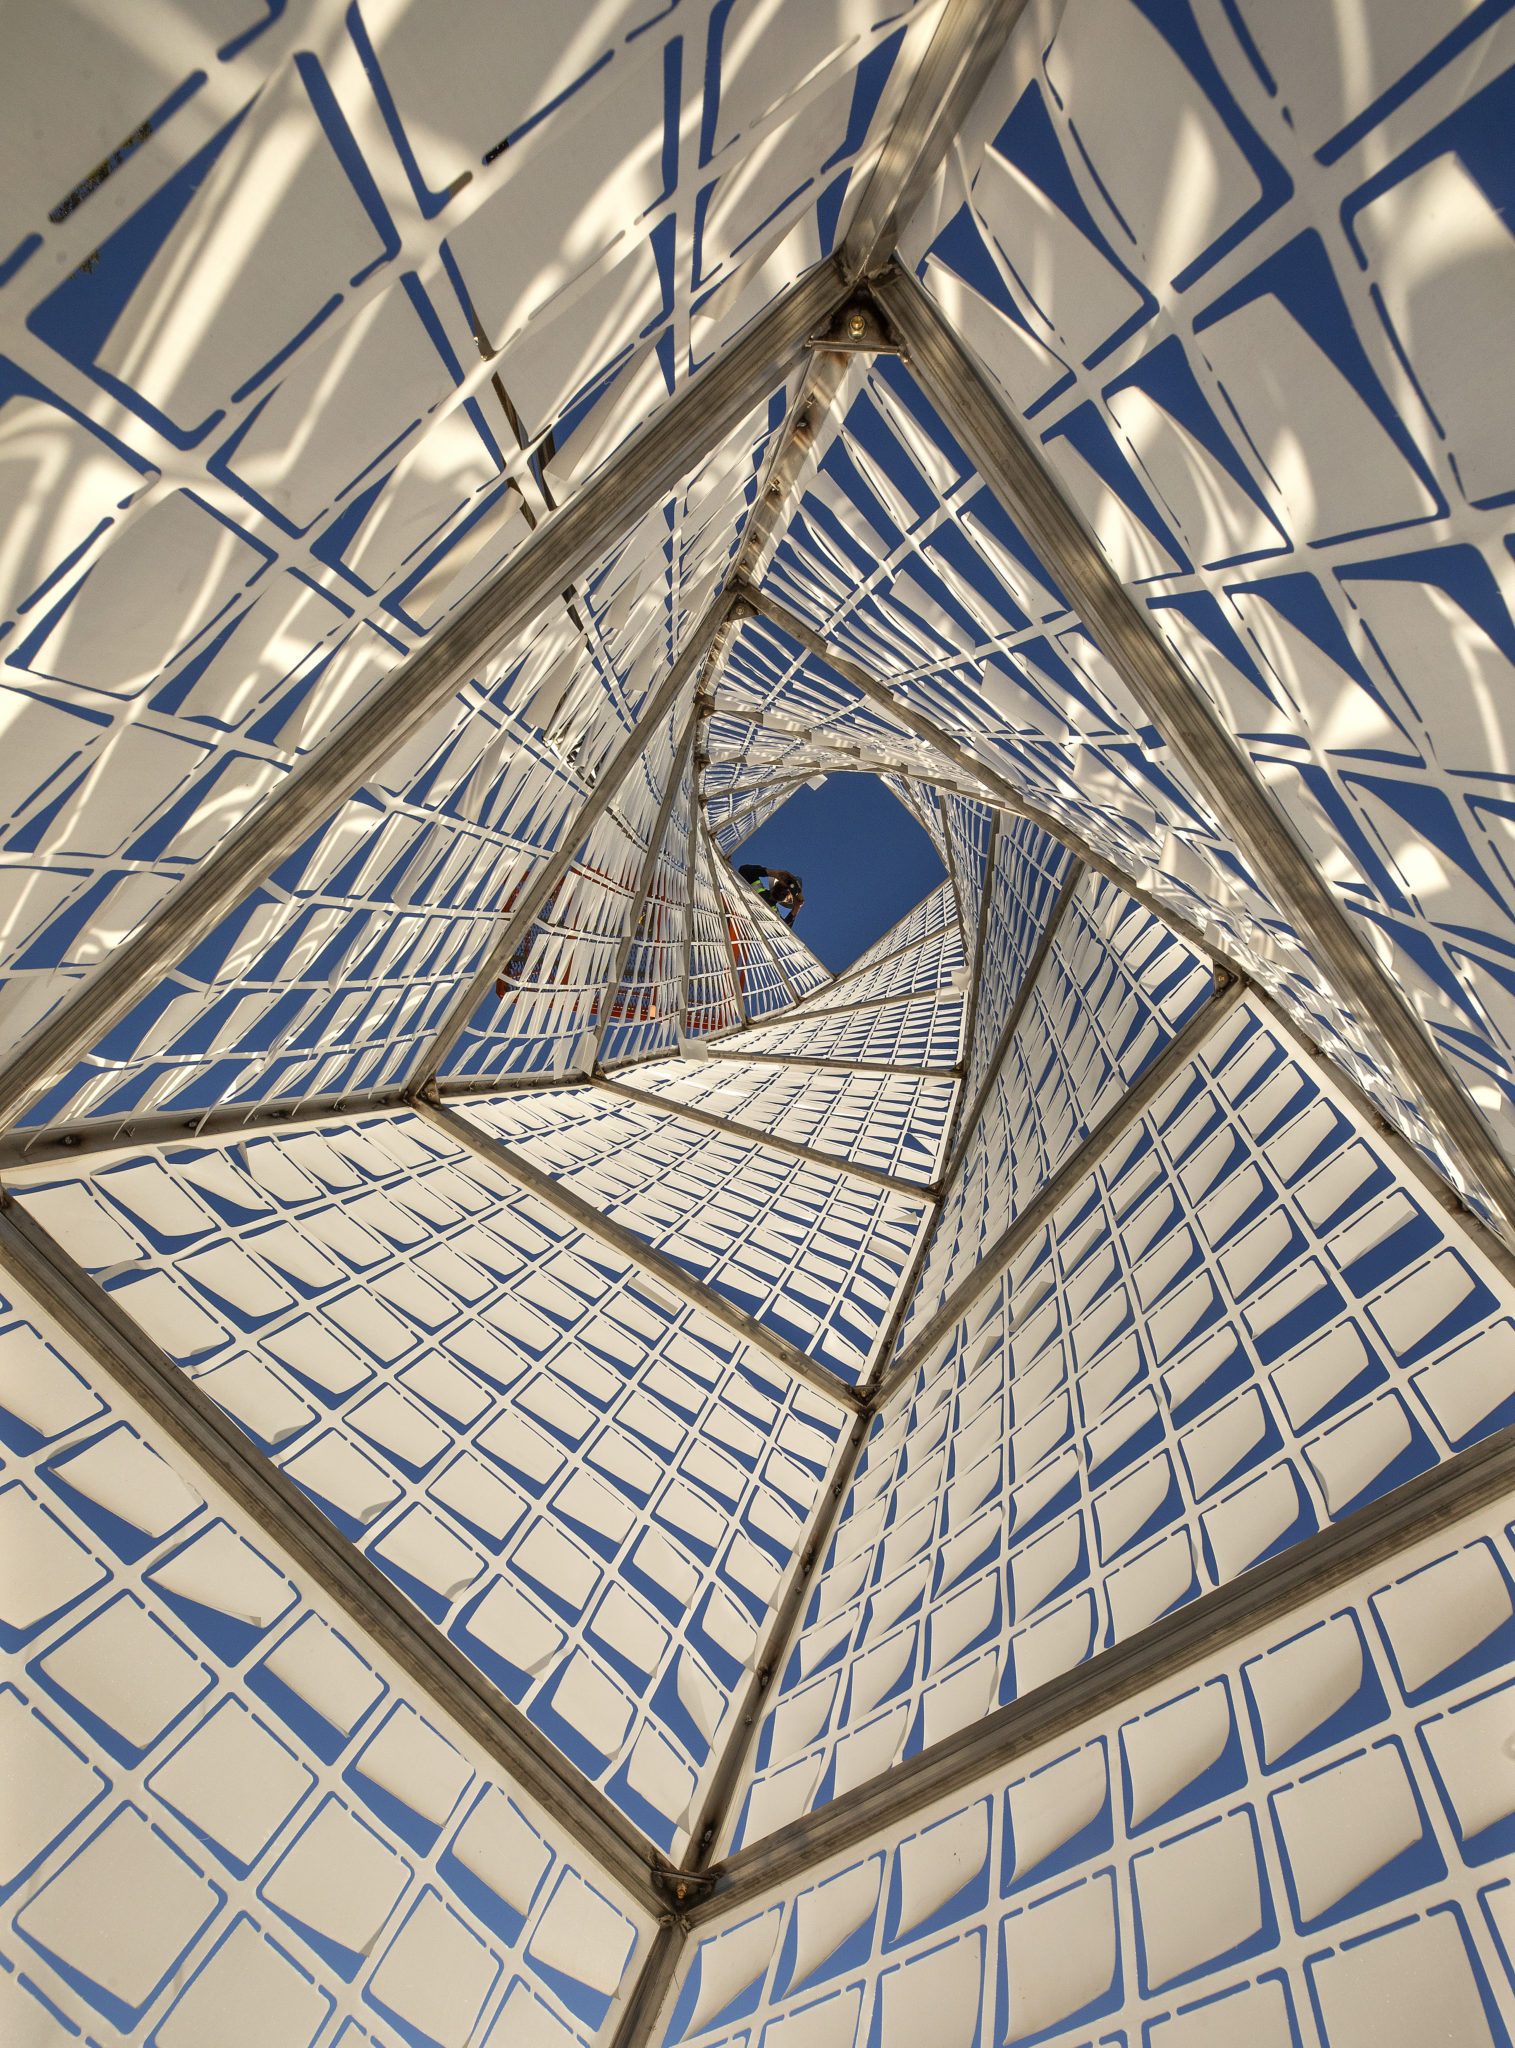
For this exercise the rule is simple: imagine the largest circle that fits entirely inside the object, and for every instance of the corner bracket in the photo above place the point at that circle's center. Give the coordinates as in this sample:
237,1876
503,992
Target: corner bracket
857,327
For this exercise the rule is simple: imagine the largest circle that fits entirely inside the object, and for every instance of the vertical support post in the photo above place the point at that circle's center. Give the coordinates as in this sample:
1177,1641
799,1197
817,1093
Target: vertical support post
975,984
736,969
570,838
691,857
644,881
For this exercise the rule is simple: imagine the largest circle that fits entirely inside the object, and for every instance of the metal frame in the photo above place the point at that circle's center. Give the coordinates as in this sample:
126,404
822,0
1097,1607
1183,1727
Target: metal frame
1106,1681
728,1771
965,48
774,795
1054,1191
627,1060
963,1135
707,847
910,995
667,1272
769,1140
571,837
96,1321
961,1125
564,546
1019,477
949,862
691,852
975,985
612,987
828,317
795,1059
61,1144
792,458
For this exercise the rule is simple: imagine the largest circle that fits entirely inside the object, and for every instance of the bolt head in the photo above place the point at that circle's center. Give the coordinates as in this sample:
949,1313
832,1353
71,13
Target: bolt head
857,326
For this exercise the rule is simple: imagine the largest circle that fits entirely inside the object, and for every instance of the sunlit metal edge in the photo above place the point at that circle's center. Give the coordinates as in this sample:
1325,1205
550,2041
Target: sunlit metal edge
276,1505
563,547
1019,477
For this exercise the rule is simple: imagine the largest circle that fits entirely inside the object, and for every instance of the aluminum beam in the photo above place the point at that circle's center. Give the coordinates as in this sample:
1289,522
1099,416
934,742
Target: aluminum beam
889,1335
907,995
644,2004
563,547
949,861
964,1123
1034,965
725,916
1102,1686
1020,478
96,1321
796,1059
964,50
769,1140
59,1145
728,1773
645,879
975,978
691,889
667,1272
1008,1246
792,462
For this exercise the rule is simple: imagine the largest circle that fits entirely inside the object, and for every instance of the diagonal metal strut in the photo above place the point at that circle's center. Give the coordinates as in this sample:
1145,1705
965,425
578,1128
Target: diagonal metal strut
1006,1248
1019,477
670,1105
645,880
668,1272
95,1319
570,838
563,547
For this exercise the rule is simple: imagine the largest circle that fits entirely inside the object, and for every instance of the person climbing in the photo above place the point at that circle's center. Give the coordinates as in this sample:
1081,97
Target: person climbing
776,886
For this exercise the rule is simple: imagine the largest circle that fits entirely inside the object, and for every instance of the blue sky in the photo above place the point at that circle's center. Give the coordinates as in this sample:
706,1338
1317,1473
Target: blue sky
862,857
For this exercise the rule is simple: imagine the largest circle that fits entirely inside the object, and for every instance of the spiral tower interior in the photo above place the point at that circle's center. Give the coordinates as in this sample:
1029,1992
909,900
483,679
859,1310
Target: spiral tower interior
567,1475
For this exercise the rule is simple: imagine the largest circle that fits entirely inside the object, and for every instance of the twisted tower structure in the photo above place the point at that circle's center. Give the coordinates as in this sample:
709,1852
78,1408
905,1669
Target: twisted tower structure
570,1477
